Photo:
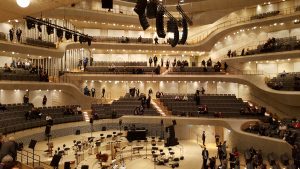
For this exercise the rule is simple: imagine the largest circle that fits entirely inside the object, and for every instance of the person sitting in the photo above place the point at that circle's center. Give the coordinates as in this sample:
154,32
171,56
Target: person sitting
7,68
218,114
140,38
185,98
2,107
79,111
177,98
49,120
158,94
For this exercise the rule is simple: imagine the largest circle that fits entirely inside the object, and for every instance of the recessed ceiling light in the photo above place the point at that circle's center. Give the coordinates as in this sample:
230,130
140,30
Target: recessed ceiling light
23,3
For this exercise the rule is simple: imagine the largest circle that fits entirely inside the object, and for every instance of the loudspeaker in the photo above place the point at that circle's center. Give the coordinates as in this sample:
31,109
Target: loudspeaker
91,120
67,165
151,9
107,4
47,130
32,144
84,167
184,31
140,7
160,23
174,122
144,22
55,160
77,132
50,29
75,38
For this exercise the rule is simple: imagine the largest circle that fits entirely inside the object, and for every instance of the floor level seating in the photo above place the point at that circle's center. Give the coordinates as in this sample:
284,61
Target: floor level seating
227,104
123,106
16,113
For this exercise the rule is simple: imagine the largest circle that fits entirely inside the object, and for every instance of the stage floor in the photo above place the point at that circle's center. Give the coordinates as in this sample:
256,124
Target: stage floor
188,148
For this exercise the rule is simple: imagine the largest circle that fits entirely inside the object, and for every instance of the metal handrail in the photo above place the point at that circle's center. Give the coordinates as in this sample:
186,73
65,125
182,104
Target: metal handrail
31,159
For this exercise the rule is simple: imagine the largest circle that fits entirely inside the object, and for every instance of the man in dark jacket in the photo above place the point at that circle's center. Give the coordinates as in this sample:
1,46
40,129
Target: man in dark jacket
205,157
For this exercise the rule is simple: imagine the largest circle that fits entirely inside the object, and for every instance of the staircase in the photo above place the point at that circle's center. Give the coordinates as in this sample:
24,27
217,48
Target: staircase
163,111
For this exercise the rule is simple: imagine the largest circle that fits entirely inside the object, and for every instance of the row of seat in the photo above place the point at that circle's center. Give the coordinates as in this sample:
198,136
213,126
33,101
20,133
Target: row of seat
107,63
40,43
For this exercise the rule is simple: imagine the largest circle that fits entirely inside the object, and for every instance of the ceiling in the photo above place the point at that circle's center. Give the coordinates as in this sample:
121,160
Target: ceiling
10,10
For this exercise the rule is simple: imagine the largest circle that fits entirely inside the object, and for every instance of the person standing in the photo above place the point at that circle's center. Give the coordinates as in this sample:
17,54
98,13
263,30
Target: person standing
205,156
217,137
150,61
155,60
103,92
203,138
11,34
44,100
162,62
93,90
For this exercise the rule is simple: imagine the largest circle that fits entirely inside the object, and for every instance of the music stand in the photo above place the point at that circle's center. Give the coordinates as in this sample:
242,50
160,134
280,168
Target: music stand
32,146
55,161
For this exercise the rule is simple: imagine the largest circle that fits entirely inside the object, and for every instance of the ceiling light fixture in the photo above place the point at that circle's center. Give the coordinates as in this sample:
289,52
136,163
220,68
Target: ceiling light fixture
23,3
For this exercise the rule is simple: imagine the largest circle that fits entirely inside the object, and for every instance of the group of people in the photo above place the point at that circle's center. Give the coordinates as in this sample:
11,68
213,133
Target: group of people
92,92
84,62
221,154
217,66
13,32
28,66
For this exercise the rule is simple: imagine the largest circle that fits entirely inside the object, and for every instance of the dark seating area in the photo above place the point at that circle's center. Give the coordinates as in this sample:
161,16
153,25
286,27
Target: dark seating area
122,39
285,81
121,69
40,43
271,126
195,70
126,105
25,116
107,64
265,15
2,36
18,74
211,105
275,45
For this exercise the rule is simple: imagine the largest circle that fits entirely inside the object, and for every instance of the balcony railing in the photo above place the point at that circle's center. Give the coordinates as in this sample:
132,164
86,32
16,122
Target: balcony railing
205,33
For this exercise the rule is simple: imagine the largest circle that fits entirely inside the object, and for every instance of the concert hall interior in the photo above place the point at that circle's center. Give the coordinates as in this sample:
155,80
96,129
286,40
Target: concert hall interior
129,84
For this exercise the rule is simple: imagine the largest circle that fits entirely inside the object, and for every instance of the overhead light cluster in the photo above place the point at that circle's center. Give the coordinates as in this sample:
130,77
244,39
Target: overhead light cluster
32,22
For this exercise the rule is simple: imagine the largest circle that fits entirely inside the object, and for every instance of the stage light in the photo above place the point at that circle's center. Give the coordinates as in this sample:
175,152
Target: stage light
75,38
50,30
68,35
23,3
30,24
59,33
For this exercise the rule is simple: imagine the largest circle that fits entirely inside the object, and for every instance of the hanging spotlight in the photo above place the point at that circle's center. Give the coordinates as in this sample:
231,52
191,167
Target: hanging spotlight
30,24
23,3
75,37
39,27
50,30
68,35
59,33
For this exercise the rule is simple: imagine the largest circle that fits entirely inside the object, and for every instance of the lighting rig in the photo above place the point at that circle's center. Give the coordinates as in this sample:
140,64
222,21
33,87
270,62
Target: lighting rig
153,9
31,22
